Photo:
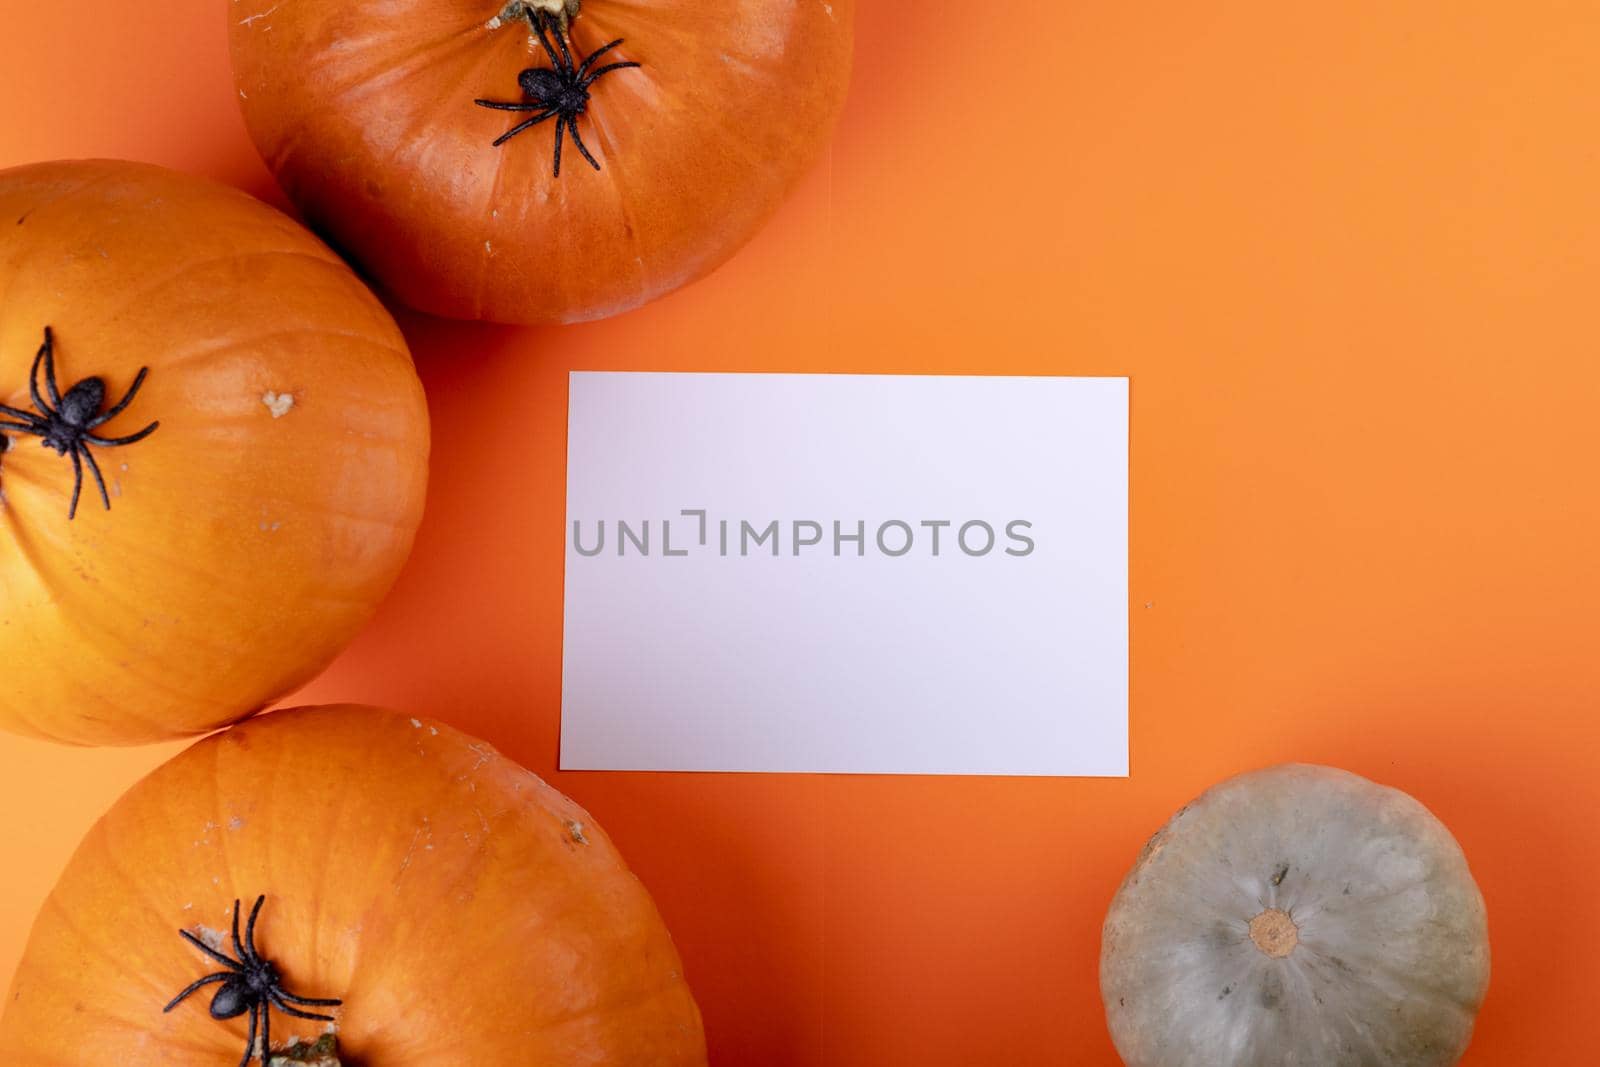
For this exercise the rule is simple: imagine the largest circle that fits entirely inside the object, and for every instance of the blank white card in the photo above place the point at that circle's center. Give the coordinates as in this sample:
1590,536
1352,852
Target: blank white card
846,573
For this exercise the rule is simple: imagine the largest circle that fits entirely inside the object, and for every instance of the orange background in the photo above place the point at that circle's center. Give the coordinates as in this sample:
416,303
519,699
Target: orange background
1350,257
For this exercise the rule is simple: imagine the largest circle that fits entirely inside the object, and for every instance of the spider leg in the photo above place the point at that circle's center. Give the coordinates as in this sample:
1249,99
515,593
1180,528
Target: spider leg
48,351
232,965
561,125
18,413
283,1006
94,469
250,929
572,124
250,1042
133,391
49,347
33,377
266,1034
498,106
238,947
113,442
596,54
77,485
567,66
220,976
20,428
594,76
519,127
538,28
315,1002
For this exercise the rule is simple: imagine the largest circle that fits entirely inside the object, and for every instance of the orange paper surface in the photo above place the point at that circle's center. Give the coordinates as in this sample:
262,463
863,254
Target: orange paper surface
1350,259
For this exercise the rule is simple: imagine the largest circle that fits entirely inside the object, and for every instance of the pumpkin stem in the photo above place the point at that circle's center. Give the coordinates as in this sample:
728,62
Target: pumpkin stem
1274,933
324,1053
560,13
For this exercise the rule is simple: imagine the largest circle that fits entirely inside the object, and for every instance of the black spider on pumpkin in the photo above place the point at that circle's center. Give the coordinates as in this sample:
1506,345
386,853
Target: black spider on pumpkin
250,984
66,427
559,91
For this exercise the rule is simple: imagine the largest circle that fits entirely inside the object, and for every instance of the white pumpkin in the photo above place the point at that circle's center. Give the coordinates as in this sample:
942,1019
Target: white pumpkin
1296,917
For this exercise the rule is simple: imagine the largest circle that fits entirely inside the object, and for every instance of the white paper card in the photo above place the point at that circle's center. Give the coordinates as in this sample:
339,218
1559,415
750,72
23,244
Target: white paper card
846,573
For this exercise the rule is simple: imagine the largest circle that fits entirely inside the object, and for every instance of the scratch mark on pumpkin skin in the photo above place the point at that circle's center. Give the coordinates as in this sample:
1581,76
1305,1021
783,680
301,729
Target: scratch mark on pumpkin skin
215,938
252,19
411,850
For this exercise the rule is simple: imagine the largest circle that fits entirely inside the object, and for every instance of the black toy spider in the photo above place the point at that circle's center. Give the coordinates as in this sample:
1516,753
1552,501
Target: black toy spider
560,90
67,426
250,984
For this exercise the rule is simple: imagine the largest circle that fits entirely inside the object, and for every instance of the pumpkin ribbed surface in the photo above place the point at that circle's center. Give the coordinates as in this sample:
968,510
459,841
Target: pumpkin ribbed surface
463,910
365,110
1296,917
254,531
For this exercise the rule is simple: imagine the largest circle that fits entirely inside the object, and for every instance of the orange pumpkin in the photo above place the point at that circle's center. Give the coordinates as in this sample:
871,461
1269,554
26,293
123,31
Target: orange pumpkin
238,545
369,112
460,909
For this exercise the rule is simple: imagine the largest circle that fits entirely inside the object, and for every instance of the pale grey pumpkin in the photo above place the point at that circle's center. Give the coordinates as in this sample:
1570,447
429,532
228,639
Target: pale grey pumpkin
1296,917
